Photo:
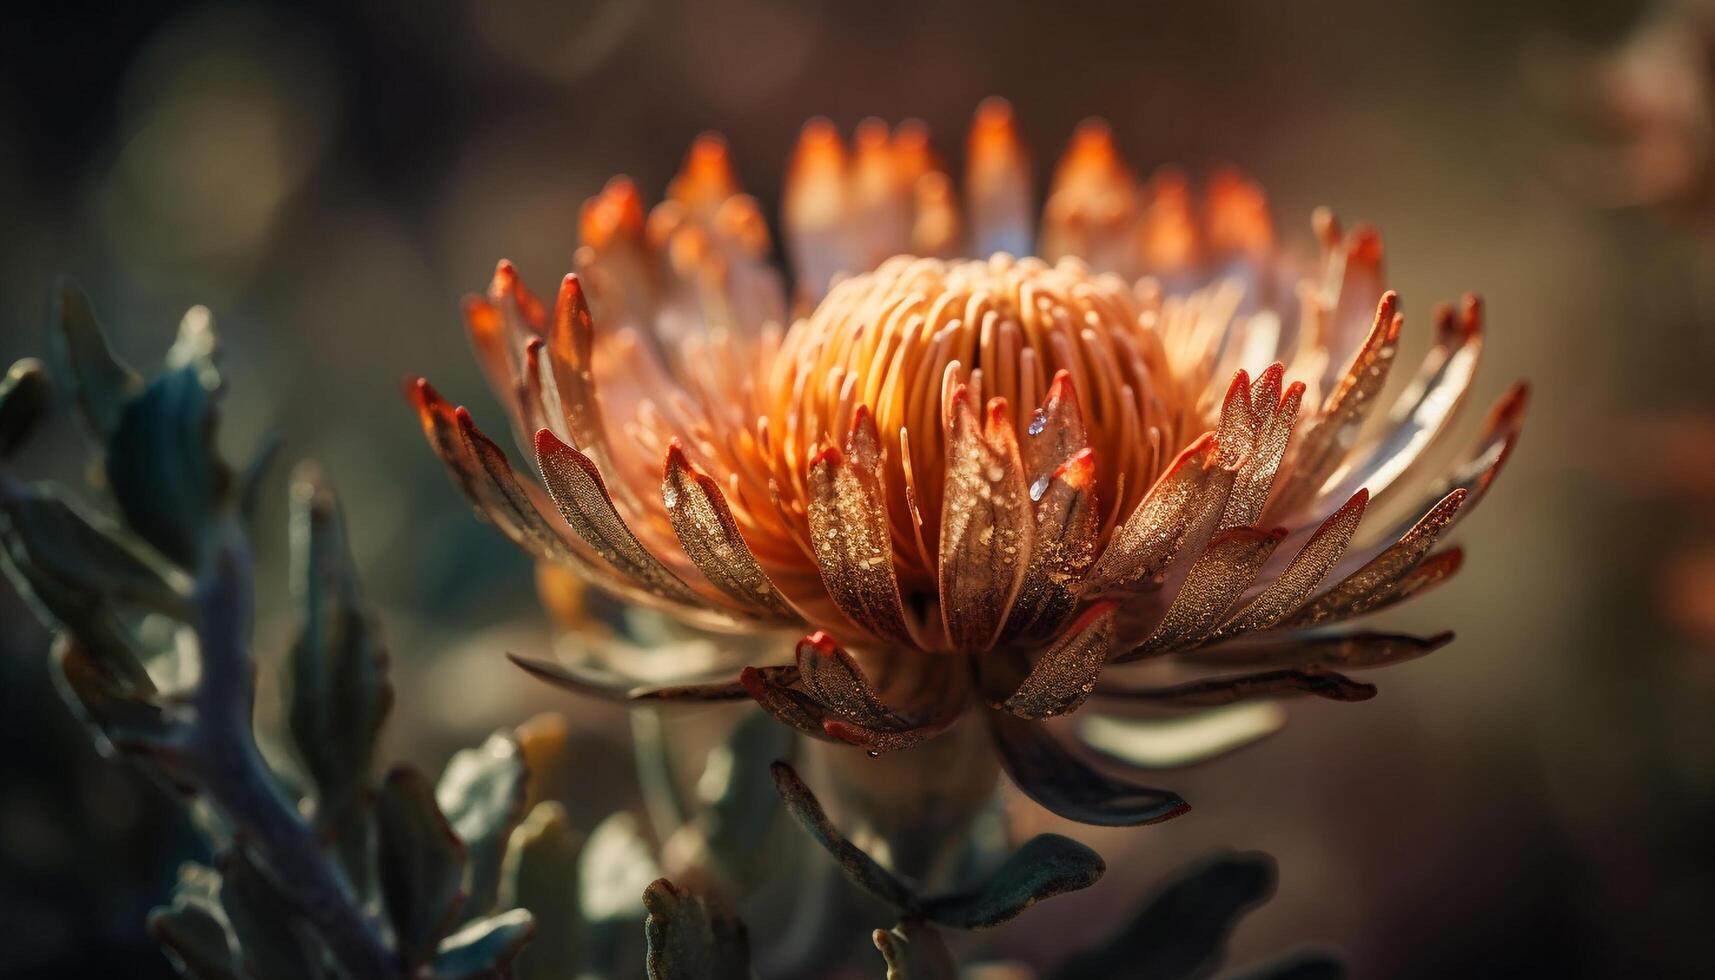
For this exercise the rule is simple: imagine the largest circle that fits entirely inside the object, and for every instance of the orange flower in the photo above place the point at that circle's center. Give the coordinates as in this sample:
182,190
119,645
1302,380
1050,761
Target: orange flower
977,481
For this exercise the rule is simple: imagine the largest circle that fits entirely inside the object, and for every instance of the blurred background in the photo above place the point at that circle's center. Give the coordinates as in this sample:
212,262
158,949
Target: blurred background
330,178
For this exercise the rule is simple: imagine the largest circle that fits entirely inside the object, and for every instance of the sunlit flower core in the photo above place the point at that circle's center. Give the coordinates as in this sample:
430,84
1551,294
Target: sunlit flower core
978,461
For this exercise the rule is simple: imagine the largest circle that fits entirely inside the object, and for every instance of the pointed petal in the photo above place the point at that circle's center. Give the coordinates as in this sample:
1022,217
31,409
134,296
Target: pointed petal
1477,471
1359,591
987,526
1141,548
573,677
1301,576
1068,524
1306,651
793,708
581,496
1227,567
836,680
854,711
1065,675
1218,691
1424,410
1330,437
481,471
849,532
1047,772
1276,415
1056,432
710,536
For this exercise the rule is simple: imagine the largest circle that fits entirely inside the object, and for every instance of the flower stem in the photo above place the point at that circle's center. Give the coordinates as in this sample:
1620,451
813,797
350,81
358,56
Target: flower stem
237,780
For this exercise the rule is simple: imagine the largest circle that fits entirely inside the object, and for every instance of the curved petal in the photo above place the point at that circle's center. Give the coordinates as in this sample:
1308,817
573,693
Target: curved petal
1288,590
1068,524
1047,772
1360,591
1339,651
1424,410
1217,691
585,678
987,525
582,498
849,532
706,530
1065,675
1325,445
1218,578
1140,549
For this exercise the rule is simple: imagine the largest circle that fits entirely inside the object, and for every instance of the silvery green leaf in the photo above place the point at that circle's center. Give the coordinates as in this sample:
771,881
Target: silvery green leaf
337,693
86,555
162,465
1047,865
483,949
420,864
135,723
915,951
1182,931
192,932
98,382
693,937
23,401
540,874
860,868
273,941
738,796
482,792
616,865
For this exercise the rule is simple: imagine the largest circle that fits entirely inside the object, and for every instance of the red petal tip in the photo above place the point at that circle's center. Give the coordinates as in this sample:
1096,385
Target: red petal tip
547,442
828,454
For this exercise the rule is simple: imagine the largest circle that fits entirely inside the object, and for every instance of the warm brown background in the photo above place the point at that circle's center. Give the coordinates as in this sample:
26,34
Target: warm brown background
1536,799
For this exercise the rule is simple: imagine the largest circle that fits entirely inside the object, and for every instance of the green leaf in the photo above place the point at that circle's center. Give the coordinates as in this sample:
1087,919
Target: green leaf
193,935
133,723
483,949
539,874
273,942
99,383
1183,930
23,402
88,556
337,693
737,792
915,951
616,865
858,866
693,937
44,566
482,792
162,464
1047,865
421,864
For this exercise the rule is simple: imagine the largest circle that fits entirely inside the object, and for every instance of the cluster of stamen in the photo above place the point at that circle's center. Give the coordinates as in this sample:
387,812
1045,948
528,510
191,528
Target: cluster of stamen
902,339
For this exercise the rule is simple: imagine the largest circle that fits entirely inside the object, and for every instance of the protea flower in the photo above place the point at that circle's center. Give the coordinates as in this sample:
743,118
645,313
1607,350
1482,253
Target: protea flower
1137,441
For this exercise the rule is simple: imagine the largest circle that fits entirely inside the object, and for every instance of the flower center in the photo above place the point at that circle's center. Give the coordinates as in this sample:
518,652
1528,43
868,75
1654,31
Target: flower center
901,339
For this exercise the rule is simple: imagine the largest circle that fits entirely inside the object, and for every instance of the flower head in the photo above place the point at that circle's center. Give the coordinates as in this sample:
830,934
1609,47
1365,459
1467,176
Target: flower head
974,462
